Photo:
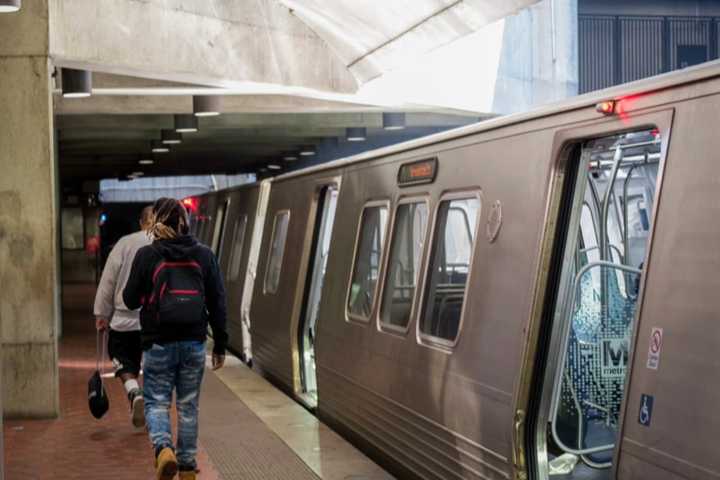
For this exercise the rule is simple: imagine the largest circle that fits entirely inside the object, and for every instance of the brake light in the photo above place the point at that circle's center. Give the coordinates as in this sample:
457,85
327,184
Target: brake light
606,108
190,204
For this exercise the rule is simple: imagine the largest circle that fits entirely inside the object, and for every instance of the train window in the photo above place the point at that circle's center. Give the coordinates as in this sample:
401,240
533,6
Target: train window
406,248
449,269
277,250
368,252
238,241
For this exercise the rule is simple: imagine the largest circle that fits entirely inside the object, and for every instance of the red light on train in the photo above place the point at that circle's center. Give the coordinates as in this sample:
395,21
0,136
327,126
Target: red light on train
606,108
190,204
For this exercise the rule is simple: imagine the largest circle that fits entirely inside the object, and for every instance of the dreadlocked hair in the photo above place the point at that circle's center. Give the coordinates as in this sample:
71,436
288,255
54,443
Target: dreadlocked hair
170,219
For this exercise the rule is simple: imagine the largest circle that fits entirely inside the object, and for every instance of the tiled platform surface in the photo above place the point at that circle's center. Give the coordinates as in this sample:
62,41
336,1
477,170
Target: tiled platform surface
249,430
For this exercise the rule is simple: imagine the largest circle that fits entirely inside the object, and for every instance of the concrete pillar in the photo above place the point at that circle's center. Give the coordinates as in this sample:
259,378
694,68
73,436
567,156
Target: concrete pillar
28,230
2,431
539,57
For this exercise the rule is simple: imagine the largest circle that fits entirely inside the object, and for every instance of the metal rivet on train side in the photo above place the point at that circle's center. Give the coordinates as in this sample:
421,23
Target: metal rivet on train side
494,221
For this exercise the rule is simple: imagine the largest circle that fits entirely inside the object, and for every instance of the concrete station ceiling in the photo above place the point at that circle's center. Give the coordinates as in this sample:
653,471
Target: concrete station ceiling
373,37
111,146
108,134
264,117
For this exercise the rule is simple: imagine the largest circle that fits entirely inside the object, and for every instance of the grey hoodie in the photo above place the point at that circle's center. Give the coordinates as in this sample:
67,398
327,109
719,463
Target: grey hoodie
108,299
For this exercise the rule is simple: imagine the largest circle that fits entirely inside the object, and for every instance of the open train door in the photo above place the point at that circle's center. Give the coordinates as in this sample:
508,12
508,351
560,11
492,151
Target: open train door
603,198
325,205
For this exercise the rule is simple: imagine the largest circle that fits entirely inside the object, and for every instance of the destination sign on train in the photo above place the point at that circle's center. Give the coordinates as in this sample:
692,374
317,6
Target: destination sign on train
416,173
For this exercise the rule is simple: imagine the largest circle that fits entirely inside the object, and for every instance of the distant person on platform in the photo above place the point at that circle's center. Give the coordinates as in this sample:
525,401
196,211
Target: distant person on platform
124,345
178,284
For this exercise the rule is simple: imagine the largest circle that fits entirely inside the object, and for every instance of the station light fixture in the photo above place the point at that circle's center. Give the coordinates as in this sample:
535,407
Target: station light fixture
186,123
76,83
393,120
274,166
10,6
308,150
206,105
356,134
170,137
137,174
159,147
290,157
146,161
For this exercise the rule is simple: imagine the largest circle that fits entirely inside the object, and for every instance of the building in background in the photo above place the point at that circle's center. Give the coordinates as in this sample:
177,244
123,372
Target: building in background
625,40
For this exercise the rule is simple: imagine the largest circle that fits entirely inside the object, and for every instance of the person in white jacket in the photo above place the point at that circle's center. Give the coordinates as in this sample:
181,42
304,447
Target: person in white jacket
124,346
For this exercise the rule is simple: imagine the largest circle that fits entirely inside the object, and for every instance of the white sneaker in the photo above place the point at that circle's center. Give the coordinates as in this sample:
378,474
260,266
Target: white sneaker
137,408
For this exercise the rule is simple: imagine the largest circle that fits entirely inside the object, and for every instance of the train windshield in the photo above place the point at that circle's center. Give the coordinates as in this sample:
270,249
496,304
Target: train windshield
596,308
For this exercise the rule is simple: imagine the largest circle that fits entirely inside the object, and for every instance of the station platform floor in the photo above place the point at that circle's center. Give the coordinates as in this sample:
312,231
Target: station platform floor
248,429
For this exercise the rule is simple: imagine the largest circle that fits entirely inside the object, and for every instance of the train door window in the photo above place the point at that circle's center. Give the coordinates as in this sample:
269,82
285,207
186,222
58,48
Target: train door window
452,247
326,208
238,242
368,252
596,306
219,229
406,247
277,251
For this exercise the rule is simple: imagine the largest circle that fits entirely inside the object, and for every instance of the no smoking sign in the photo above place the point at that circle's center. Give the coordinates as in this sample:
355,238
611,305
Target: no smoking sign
656,341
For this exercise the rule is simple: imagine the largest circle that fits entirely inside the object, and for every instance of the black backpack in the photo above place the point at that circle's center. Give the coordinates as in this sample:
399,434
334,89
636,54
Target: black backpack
178,293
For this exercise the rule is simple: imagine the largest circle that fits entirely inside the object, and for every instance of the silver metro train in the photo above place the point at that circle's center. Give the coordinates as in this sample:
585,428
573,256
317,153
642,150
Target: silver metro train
535,296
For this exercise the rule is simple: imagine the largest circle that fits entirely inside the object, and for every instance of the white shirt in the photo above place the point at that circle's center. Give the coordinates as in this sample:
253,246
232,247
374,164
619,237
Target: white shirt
108,299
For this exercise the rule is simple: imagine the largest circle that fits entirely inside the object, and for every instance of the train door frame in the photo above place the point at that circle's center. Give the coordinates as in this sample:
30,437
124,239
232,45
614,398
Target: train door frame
321,220
531,408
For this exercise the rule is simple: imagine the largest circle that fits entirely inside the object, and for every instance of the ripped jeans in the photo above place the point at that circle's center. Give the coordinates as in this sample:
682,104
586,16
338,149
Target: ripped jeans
175,366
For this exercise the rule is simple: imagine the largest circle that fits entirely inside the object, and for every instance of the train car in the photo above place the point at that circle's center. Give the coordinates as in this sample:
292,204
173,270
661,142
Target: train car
529,297
231,223
289,281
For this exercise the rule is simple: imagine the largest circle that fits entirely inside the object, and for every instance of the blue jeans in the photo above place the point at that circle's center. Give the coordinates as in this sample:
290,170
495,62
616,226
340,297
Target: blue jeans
179,366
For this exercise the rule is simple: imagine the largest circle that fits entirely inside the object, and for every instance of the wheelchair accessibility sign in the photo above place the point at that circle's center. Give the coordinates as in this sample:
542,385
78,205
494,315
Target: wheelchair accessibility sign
646,407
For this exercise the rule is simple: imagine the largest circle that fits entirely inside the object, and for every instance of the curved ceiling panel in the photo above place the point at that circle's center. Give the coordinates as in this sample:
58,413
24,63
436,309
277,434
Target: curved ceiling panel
375,36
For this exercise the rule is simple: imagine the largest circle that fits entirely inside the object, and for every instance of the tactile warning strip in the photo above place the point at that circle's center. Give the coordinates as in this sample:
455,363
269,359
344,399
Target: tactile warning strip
239,444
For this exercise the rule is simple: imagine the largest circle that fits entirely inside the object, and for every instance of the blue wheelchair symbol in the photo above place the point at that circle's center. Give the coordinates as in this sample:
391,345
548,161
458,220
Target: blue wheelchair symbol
646,406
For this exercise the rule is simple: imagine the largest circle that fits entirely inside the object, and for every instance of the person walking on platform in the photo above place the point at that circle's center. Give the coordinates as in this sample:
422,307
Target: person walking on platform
111,313
178,284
